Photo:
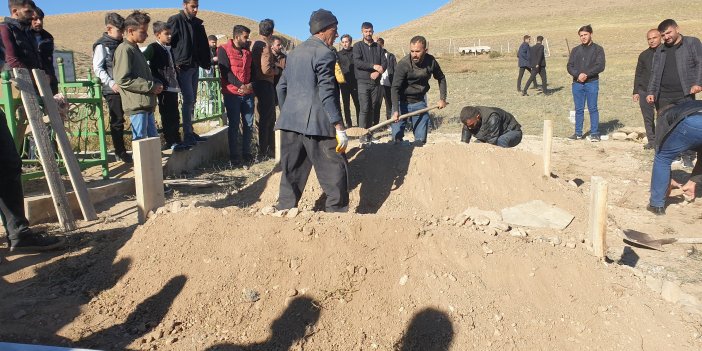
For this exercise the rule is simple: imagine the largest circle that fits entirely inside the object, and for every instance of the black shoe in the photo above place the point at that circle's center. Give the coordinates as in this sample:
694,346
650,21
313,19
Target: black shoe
199,139
124,157
658,211
576,137
524,93
36,242
595,138
648,146
248,158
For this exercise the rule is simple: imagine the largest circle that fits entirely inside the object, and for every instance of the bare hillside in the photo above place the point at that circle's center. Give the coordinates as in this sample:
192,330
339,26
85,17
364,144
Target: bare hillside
79,31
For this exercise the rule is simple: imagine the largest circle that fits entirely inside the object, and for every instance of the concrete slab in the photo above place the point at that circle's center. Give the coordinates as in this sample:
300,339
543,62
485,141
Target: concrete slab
216,147
537,214
40,209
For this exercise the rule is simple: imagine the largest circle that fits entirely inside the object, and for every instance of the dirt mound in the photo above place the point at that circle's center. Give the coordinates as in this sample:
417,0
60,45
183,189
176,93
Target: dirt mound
398,274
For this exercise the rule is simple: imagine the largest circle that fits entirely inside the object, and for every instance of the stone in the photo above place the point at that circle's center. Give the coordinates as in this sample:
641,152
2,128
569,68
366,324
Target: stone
487,250
176,206
403,279
570,245
519,233
654,284
537,214
490,231
481,220
501,226
461,219
292,292
632,136
473,212
268,210
555,240
618,136
251,295
293,212
363,270
671,292
195,204
280,214
451,277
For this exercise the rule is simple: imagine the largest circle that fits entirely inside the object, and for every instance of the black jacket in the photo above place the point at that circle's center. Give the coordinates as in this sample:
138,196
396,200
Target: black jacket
494,122
642,75
20,46
189,42
588,59
157,56
689,61
538,58
346,64
45,47
364,57
411,81
669,119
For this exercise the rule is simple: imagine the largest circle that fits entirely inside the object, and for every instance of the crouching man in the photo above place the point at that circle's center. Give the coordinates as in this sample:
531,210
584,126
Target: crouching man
490,125
678,129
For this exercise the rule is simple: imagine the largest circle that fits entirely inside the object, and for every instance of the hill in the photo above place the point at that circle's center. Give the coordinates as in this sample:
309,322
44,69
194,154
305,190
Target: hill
78,31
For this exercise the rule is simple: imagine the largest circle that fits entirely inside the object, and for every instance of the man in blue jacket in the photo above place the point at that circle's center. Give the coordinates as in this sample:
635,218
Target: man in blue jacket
524,58
311,128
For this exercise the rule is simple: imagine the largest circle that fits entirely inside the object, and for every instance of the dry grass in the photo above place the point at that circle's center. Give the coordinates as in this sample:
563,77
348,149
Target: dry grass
620,28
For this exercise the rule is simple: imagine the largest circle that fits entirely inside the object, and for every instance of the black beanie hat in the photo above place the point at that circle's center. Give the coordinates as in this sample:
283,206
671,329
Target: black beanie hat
320,20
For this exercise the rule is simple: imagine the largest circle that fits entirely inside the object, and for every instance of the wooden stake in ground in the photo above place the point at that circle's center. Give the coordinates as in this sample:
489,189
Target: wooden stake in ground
148,176
548,143
597,227
23,82
277,146
69,158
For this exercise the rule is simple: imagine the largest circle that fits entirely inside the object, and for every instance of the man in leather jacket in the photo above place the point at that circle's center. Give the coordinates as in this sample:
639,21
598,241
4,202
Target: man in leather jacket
490,125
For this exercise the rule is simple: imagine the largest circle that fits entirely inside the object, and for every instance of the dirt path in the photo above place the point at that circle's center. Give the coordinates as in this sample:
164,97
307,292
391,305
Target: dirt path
397,273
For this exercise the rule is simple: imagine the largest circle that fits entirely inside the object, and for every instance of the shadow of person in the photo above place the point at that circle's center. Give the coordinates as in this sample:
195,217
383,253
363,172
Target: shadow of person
429,330
379,170
290,328
142,320
249,195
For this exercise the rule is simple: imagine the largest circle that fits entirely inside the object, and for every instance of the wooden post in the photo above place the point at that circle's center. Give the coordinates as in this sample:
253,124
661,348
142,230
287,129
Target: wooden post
598,216
47,153
548,143
148,176
64,145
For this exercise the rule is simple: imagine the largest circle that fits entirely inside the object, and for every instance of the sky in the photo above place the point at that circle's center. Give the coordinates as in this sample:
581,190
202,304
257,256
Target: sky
291,17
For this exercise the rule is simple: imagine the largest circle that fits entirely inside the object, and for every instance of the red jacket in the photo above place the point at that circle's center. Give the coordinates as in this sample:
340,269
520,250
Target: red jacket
234,67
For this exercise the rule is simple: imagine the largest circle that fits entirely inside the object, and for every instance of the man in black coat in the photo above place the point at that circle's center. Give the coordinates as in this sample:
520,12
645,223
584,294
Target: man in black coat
538,66
369,63
45,48
311,128
490,125
641,78
190,50
349,89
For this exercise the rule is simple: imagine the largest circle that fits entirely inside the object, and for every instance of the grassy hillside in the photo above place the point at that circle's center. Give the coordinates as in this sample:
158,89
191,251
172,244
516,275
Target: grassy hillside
619,27
79,31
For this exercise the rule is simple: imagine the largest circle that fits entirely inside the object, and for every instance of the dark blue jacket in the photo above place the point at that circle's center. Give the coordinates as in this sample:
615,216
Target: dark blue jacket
308,92
524,55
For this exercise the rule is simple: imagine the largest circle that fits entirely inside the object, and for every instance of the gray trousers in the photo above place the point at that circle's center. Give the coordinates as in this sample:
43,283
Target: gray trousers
648,112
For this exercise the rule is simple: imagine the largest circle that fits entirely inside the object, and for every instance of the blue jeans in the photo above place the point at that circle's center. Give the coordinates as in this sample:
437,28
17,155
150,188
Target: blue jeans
143,125
188,79
687,135
420,123
239,108
510,139
583,92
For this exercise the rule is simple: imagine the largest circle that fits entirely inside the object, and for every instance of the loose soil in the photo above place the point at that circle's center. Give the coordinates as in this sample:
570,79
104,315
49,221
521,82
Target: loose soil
395,273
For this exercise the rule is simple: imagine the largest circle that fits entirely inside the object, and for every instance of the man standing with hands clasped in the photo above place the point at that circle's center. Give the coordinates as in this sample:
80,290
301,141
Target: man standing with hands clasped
369,64
585,64
641,79
312,130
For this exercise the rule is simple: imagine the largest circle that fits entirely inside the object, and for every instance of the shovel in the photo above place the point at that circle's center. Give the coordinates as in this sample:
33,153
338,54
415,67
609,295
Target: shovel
647,241
358,131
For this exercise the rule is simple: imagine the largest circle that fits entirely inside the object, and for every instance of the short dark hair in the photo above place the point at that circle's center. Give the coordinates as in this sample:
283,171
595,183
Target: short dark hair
189,1
527,36
469,112
136,18
366,25
212,37
419,39
12,4
239,29
381,41
540,38
667,24
160,26
585,28
275,37
114,19
39,12
346,36
266,27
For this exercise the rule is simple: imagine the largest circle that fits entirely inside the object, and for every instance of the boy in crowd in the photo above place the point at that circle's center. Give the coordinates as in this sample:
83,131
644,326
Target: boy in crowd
235,60
103,65
163,69
133,75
